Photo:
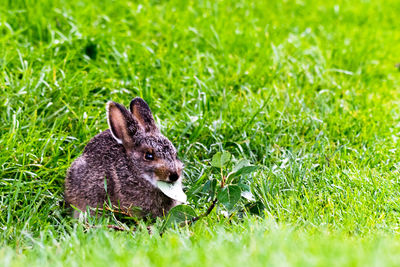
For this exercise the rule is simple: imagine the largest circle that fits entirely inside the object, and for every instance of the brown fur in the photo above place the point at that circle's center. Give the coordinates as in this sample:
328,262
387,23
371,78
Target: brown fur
116,157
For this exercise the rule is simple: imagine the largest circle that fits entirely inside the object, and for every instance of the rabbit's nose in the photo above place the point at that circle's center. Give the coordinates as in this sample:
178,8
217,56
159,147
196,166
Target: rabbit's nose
173,176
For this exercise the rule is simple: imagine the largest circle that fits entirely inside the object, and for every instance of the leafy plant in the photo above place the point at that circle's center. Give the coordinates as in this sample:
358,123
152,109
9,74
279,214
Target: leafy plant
228,190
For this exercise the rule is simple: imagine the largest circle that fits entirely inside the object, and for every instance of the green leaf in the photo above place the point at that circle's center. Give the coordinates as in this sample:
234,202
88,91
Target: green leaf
246,170
220,159
229,196
240,164
216,160
244,187
210,187
179,214
248,195
243,171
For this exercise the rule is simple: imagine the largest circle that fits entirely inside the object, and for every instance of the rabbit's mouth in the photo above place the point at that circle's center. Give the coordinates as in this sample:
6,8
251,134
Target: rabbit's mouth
168,174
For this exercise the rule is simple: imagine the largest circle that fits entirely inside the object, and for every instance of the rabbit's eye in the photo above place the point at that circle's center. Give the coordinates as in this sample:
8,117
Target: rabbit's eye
149,156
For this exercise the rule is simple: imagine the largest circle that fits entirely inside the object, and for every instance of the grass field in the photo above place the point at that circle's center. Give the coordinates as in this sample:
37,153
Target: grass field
306,90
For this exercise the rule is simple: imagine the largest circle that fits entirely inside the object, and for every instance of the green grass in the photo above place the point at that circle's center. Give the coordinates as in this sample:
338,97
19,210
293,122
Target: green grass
307,90
251,244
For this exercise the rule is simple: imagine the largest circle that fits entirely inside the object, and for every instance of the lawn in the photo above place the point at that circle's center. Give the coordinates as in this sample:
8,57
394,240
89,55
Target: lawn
308,91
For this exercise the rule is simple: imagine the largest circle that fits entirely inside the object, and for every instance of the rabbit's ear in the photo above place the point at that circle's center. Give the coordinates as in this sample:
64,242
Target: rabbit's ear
142,113
121,122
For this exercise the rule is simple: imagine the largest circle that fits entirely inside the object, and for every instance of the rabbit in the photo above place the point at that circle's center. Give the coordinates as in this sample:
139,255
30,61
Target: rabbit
123,164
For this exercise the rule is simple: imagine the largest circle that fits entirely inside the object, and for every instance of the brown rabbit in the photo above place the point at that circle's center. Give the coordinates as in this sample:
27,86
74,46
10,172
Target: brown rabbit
129,158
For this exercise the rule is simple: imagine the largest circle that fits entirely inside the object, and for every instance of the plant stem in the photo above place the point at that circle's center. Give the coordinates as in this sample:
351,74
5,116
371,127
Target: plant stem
210,208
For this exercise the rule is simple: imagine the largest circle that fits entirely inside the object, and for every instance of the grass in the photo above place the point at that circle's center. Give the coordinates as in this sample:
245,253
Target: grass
249,243
307,90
